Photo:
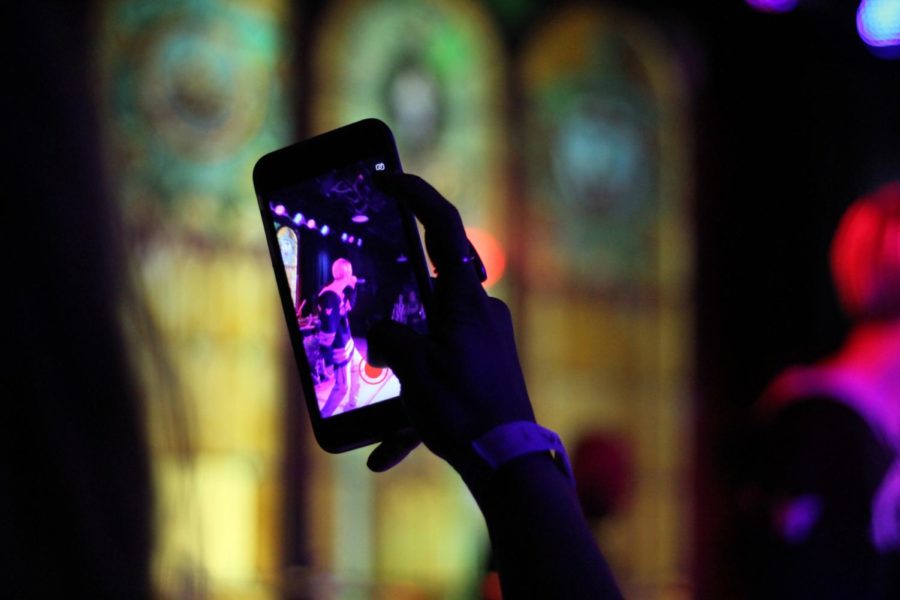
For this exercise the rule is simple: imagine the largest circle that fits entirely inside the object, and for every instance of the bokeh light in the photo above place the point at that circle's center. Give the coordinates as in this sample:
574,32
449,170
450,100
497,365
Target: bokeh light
491,252
773,6
878,23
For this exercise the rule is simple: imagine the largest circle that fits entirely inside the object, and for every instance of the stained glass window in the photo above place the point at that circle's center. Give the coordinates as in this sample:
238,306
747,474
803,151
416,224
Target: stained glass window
434,72
607,275
193,95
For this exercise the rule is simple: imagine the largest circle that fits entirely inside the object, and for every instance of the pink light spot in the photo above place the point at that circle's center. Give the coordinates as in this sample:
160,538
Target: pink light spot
773,6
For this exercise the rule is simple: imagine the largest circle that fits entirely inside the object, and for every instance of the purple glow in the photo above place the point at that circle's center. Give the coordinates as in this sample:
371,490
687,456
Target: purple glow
359,243
325,229
279,209
311,223
360,219
773,6
878,22
885,528
402,259
343,237
796,518
298,218
350,239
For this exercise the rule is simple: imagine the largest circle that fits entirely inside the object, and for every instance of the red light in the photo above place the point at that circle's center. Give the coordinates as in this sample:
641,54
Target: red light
371,374
865,254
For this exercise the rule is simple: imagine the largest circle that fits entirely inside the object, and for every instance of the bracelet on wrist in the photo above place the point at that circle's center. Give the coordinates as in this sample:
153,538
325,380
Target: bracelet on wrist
512,440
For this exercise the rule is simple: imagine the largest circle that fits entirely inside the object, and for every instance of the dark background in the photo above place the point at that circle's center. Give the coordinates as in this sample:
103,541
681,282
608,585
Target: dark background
795,118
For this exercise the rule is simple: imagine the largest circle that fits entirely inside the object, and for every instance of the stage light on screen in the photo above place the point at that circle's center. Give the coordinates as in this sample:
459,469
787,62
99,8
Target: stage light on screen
279,209
311,223
351,239
878,23
360,219
325,229
343,237
298,219
773,6
359,242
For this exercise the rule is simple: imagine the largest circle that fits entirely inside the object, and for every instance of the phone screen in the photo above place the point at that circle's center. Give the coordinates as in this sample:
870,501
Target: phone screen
348,261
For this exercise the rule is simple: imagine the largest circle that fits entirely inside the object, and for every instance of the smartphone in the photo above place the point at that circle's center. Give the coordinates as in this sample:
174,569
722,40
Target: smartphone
345,256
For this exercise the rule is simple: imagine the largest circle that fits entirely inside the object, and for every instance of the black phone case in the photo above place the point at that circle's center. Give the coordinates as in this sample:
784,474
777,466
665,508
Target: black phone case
303,161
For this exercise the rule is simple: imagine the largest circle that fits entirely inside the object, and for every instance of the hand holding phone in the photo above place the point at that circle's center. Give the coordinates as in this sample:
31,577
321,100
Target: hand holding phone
463,378
460,371
343,251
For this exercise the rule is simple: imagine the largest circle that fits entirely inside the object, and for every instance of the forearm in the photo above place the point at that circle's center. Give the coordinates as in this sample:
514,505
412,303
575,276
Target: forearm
542,544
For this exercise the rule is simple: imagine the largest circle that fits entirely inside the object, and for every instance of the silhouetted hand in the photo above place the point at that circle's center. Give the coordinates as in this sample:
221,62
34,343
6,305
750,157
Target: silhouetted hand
463,378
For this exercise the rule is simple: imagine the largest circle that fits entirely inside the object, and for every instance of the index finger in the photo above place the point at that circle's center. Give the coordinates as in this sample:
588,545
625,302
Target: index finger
445,237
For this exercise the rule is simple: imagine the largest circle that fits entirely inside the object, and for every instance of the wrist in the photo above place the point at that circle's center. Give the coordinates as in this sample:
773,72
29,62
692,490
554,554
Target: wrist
506,446
519,480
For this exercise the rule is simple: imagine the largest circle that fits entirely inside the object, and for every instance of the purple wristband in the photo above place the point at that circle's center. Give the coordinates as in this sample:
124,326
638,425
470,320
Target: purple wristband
518,438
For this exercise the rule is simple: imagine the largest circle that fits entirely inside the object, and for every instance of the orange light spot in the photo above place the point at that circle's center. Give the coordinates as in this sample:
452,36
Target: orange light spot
491,252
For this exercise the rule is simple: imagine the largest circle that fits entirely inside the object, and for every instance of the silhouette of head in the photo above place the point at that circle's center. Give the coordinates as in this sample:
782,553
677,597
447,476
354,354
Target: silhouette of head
865,256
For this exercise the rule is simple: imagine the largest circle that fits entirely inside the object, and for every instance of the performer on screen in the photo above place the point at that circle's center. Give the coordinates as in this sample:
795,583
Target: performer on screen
335,301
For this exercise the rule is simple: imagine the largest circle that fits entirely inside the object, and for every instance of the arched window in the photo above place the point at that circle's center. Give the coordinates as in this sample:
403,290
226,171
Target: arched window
607,270
434,72
192,96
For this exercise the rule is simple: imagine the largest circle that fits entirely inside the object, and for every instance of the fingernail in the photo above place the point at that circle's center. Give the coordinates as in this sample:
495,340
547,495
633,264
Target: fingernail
477,263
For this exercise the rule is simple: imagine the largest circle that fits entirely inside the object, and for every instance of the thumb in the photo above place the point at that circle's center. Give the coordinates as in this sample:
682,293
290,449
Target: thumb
392,450
394,345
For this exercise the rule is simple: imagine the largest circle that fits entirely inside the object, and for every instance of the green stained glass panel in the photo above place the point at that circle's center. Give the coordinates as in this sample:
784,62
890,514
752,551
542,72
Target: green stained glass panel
195,95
